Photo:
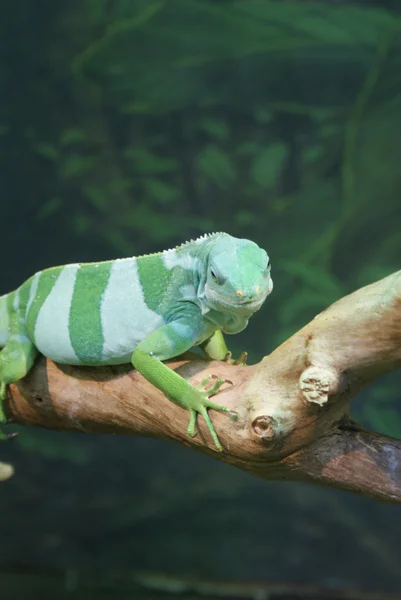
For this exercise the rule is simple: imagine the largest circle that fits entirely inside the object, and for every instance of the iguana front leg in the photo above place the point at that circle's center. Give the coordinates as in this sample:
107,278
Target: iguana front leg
215,347
169,341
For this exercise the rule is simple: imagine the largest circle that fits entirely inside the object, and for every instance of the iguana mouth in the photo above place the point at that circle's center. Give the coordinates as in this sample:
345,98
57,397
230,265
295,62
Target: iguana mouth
235,304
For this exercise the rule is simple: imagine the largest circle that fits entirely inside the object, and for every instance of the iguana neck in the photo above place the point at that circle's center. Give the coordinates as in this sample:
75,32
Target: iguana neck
193,257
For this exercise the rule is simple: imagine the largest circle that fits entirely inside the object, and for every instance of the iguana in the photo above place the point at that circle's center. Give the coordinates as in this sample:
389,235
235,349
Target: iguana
142,310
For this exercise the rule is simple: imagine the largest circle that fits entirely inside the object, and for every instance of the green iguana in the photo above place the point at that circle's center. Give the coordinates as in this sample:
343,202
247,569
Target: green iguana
142,310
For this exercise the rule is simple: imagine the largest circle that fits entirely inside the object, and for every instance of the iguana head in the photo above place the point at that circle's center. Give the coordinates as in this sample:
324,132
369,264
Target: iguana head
238,276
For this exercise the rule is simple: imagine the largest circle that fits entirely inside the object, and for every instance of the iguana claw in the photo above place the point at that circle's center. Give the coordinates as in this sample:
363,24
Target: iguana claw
236,361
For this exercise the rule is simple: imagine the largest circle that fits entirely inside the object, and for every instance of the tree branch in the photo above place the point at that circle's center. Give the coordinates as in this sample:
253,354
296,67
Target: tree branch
293,406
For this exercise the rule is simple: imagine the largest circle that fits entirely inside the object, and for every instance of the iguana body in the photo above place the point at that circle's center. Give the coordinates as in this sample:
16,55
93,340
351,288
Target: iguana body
142,310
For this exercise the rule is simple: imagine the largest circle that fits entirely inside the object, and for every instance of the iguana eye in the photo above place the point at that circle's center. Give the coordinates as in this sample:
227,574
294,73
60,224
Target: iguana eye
217,277
269,265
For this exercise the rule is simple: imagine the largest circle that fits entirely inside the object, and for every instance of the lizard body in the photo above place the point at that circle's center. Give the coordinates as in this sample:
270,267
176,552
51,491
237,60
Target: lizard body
142,310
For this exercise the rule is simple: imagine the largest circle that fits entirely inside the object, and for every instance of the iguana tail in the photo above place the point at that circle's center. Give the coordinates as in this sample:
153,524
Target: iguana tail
3,319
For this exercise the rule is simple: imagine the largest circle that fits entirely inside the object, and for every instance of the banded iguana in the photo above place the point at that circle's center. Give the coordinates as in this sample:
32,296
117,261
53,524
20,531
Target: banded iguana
142,310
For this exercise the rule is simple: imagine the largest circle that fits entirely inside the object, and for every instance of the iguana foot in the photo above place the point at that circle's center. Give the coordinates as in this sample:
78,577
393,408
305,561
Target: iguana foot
236,361
199,402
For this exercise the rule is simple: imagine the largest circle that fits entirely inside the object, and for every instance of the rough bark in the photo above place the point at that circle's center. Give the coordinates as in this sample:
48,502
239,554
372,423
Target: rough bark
293,406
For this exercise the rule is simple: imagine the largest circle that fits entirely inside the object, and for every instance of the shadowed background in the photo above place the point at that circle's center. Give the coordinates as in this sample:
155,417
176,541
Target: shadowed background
129,126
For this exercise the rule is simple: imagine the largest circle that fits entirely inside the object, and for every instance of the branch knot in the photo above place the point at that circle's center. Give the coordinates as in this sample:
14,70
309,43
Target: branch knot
265,427
317,384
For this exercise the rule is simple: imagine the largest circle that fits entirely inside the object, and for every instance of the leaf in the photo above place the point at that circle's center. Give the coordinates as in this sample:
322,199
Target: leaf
311,153
160,190
76,164
216,128
146,162
248,148
244,218
97,197
370,273
187,49
302,306
137,108
82,224
120,241
350,25
142,218
49,208
120,184
47,150
264,116
216,166
72,136
316,279
267,166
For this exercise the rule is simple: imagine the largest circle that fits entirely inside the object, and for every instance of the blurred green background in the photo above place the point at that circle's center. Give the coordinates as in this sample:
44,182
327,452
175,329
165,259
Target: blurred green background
129,126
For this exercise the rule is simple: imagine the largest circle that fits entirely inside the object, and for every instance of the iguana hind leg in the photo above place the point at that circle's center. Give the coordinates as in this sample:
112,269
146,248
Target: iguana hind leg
16,358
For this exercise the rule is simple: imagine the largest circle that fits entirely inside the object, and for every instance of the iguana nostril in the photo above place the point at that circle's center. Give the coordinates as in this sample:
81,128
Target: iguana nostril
239,293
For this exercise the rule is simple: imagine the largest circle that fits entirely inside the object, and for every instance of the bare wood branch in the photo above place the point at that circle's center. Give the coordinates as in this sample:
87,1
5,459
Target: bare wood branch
293,406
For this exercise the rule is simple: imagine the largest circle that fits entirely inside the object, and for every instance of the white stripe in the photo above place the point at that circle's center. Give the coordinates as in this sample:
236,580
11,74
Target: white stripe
126,319
188,292
32,291
173,259
51,335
